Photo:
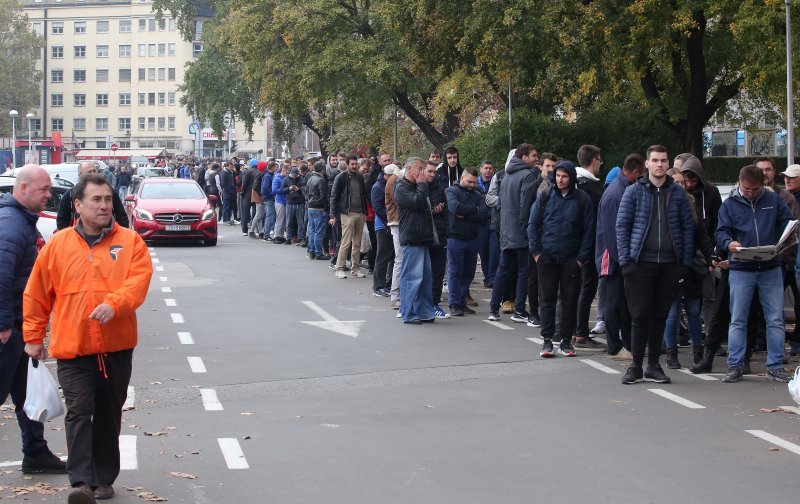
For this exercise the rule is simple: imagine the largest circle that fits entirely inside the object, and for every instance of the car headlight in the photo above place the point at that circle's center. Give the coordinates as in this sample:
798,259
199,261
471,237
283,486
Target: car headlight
208,214
143,214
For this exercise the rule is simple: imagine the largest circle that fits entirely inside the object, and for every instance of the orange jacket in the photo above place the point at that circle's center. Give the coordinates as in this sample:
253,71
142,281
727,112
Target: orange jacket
70,280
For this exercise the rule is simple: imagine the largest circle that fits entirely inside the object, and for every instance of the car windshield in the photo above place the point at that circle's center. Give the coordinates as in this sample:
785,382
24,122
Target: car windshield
152,172
178,190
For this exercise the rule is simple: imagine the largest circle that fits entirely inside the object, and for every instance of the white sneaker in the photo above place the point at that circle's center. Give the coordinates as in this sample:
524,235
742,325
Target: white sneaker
599,328
357,274
341,274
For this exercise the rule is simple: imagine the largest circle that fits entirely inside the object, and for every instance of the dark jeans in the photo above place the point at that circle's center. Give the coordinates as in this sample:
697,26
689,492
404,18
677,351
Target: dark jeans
533,285
244,211
228,205
14,381
650,289
790,281
294,221
463,258
94,414
509,258
384,260
489,250
616,316
438,268
553,276
588,291
373,241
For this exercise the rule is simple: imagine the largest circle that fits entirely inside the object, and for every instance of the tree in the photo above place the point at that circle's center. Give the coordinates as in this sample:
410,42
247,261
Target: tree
19,79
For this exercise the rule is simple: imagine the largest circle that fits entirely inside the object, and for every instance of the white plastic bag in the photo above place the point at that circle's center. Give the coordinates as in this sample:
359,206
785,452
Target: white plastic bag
366,244
42,401
794,386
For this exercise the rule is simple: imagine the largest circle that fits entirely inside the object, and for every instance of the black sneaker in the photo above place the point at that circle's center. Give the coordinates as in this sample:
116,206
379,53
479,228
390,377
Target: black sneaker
534,320
44,463
456,311
654,373
547,348
494,316
779,374
81,494
733,375
634,374
566,349
520,317
746,369
467,310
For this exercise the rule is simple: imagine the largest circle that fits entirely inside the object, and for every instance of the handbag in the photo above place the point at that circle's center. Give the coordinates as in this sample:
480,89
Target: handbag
699,266
42,400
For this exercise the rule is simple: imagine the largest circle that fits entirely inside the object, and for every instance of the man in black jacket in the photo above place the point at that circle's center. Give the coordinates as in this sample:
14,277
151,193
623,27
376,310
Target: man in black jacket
438,251
317,196
227,189
247,175
349,206
66,215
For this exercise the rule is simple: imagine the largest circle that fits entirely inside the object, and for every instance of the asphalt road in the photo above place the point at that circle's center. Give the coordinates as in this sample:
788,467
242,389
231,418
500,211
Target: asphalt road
244,401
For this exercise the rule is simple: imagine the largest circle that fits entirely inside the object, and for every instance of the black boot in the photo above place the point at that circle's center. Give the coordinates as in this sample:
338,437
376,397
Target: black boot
672,358
706,362
697,354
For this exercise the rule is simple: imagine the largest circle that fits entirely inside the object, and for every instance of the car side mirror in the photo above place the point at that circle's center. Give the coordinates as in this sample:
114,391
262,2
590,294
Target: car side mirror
130,197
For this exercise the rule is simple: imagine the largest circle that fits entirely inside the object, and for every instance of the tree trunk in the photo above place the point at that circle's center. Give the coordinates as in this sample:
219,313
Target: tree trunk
434,136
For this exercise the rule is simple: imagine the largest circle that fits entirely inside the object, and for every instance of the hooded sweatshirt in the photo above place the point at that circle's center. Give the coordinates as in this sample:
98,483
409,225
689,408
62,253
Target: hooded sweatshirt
706,195
512,233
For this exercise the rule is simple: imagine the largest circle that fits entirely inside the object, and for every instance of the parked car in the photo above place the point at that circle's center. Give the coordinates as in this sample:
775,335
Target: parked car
47,218
65,171
172,209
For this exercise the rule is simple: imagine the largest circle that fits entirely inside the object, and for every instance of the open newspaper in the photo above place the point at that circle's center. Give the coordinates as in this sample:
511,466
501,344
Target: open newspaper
768,252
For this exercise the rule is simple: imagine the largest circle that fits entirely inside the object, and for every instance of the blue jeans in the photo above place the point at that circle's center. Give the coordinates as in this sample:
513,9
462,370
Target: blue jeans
770,292
227,207
508,258
489,250
462,256
316,230
692,307
269,217
416,293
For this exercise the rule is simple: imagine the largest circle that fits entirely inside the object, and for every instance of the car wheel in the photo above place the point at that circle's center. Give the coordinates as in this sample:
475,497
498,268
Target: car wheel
210,242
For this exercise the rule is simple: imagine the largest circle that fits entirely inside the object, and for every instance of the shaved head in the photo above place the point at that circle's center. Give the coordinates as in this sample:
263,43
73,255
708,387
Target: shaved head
32,187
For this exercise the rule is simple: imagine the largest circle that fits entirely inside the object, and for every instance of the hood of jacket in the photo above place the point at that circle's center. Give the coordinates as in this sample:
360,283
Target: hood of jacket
695,166
516,164
568,167
584,173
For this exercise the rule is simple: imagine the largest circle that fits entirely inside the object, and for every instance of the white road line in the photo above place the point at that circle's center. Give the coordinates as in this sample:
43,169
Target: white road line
130,401
150,249
540,341
14,463
163,279
166,289
127,453
499,324
234,456
155,260
487,300
676,398
701,376
600,367
771,438
196,363
186,338
210,401
177,318
159,268
170,302
152,253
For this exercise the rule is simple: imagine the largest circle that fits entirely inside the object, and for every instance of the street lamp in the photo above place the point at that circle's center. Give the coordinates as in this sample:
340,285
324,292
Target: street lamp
29,116
13,114
789,90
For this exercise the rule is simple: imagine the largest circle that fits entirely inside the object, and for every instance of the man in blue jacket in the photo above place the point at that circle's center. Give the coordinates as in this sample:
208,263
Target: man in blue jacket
560,239
754,216
18,237
467,212
655,244
269,200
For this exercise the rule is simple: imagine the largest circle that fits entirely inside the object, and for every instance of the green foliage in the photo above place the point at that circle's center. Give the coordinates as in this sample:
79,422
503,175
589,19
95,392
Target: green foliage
19,79
726,169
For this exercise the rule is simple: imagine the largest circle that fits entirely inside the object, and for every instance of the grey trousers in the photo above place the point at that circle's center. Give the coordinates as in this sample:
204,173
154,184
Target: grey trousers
398,263
280,220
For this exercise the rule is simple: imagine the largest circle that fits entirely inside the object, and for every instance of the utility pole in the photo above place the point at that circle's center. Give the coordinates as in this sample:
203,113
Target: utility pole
789,88
395,133
510,110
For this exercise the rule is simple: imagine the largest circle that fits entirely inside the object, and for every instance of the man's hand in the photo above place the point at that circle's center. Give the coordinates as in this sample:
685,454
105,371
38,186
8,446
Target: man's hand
103,313
332,222
37,352
536,257
5,335
734,246
580,264
438,208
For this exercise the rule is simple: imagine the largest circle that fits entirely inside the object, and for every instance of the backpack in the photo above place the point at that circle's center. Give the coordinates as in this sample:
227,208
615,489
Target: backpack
211,182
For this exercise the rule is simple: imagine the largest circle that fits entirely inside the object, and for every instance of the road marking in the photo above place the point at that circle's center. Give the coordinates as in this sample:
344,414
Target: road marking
186,338
159,268
210,401
540,341
771,438
170,302
152,254
127,453
196,363
676,398
700,376
163,279
166,289
600,367
155,260
150,248
130,400
487,300
234,456
177,318
19,462
331,323
499,325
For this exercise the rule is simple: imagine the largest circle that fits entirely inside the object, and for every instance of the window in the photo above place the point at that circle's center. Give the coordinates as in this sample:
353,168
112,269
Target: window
151,73
124,144
171,123
151,123
102,99
57,100
162,24
57,124
162,73
162,123
151,98
141,74
101,75
80,27
57,51
79,99
198,30
57,27
142,25
124,51
197,48
171,49
102,51
124,74
36,125
124,25
124,123
171,24
79,123
162,49
142,98
151,50
171,74
79,76
141,123
102,26
171,98
151,24
101,123
142,50
80,51
56,76
162,98
37,53
100,144
124,99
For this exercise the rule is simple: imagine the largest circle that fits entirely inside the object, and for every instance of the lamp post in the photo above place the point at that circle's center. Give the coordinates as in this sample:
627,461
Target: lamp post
789,88
13,114
29,116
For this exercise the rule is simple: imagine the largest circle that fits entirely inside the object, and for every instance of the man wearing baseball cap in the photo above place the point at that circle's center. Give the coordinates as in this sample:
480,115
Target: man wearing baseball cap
384,256
791,179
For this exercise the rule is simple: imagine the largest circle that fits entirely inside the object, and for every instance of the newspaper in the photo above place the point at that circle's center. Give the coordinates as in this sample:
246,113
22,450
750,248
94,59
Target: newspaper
768,252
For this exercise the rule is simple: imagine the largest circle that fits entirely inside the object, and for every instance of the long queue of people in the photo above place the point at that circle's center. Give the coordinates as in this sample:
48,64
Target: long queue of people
648,242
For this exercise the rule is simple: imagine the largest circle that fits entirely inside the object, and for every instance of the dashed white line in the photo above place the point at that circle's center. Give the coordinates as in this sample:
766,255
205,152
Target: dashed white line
162,279
540,341
177,318
159,268
150,249
599,366
701,376
196,363
170,302
499,324
155,260
166,289
14,463
234,456
152,254
676,398
186,338
771,438
210,401
130,401
128,460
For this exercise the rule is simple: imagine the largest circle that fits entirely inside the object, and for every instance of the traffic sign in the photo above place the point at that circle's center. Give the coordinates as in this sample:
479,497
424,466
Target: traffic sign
114,147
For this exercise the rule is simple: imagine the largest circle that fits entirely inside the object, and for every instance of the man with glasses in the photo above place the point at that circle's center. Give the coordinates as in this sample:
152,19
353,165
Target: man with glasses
67,215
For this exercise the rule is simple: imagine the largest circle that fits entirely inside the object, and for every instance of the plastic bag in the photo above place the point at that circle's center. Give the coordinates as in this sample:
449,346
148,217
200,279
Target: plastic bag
366,244
42,401
794,386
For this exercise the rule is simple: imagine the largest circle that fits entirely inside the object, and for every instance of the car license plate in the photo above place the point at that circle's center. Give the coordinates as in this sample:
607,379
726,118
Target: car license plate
178,227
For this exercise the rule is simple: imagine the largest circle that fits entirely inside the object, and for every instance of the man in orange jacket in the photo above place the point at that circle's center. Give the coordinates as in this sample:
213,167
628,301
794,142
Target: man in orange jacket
92,278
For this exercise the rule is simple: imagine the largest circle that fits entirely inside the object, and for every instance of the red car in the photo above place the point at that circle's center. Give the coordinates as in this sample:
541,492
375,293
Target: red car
172,209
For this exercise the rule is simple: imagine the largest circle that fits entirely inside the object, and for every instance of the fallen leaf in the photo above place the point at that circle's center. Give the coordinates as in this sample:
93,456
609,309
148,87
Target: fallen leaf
170,428
128,407
155,383
195,452
771,410
246,437
155,434
134,489
182,475
247,413
150,400
151,497
176,379
8,417
772,448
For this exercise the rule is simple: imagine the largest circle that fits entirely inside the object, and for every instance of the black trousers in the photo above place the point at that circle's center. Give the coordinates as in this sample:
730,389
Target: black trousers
553,276
244,211
384,260
373,241
533,285
616,316
94,414
650,289
588,292
438,269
